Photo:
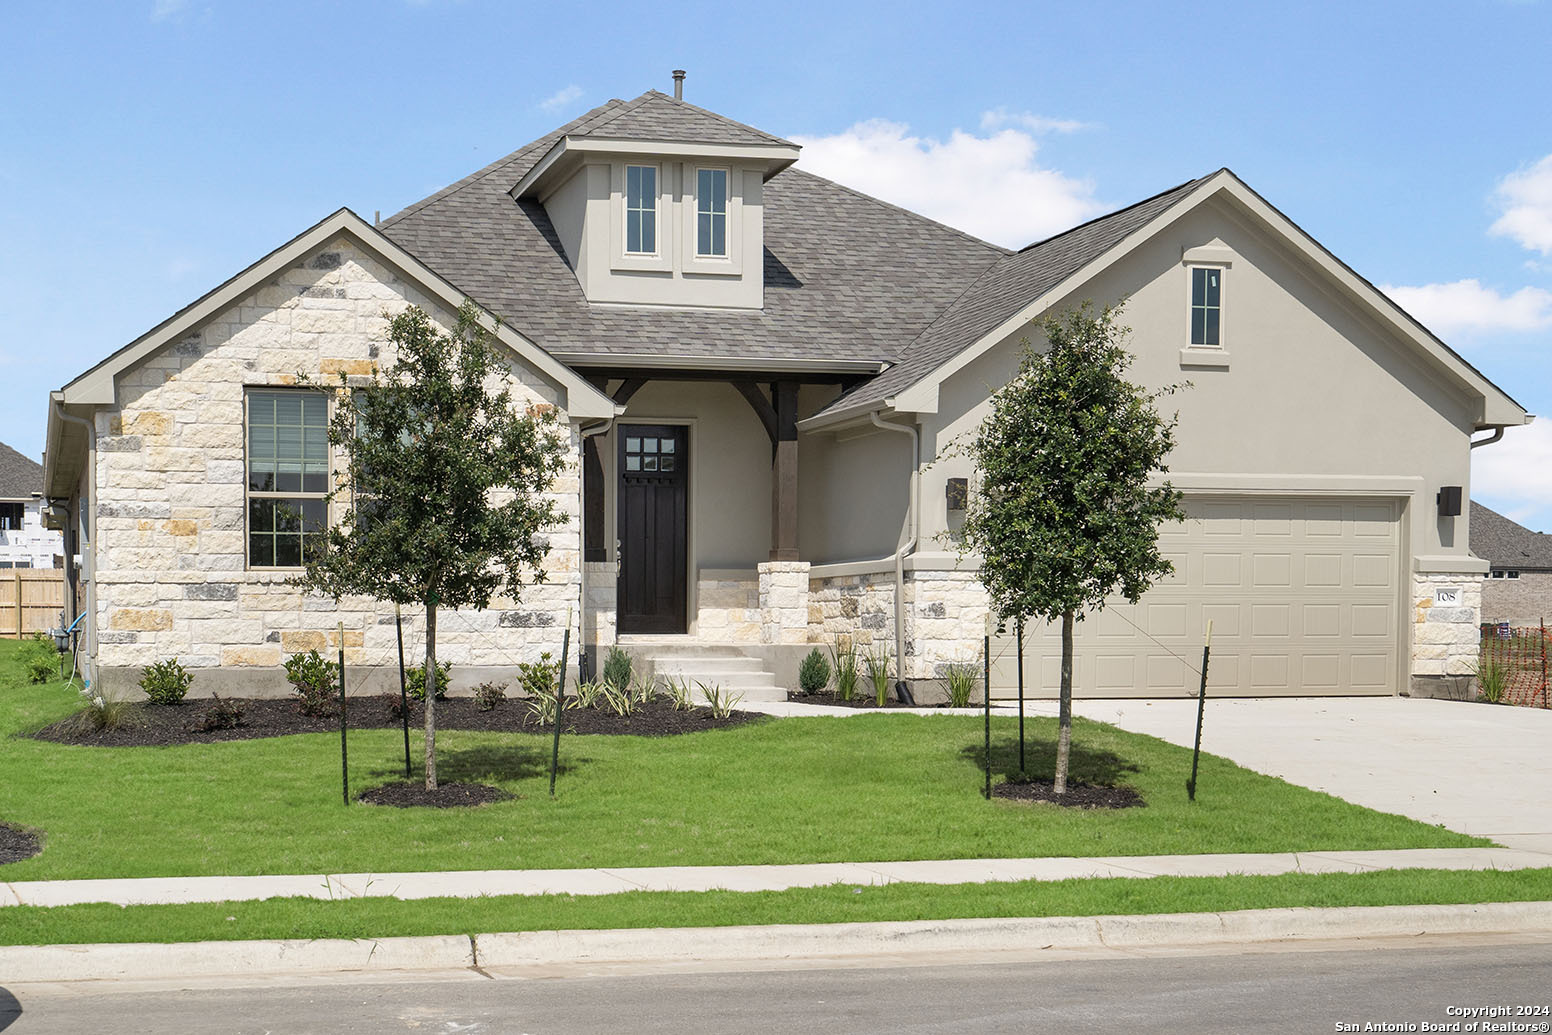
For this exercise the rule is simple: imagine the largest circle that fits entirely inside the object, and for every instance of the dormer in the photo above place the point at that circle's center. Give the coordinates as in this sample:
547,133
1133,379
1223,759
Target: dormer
658,202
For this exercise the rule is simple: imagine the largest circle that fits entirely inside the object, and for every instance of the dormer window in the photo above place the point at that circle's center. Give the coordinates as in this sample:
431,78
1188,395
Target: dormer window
641,209
1206,307
711,212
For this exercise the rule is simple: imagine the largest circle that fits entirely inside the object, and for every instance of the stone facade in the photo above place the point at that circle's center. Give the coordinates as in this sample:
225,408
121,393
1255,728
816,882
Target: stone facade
172,573
1525,601
784,602
727,606
1446,637
861,607
945,622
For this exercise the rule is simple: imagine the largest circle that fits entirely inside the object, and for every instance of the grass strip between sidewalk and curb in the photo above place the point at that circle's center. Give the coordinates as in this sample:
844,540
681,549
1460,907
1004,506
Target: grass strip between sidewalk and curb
298,918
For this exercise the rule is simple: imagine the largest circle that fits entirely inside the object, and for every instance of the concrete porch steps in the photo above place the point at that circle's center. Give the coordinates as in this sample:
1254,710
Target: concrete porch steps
724,667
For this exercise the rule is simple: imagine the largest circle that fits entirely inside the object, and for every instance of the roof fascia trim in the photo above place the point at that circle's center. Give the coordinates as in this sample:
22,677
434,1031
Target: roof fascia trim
568,149
96,386
666,361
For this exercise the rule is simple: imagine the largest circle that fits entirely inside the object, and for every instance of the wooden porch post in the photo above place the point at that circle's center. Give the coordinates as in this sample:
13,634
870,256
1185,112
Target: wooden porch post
784,473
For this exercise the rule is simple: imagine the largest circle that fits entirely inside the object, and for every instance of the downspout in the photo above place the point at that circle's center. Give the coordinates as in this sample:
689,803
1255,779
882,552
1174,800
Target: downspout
1489,440
585,433
907,546
88,548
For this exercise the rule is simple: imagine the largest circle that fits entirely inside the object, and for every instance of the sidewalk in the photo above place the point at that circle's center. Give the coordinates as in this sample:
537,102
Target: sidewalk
480,883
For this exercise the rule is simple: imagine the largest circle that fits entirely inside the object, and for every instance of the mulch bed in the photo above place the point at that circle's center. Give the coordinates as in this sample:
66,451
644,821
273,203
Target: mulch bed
408,795
861,700
166,725
1078,796
17,844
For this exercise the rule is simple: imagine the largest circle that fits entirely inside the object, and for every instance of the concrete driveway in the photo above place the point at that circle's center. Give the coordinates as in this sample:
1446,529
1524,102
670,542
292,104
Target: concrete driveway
1474,768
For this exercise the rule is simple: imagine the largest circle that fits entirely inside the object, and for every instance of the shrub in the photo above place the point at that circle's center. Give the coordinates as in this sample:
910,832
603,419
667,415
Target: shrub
165,682
415,681
959,679
619,700
102,714
589,694
1492,680
644,690
315,679
813,673
720,701
678,690
223,714
488,695
617,668
846,674
542,709
537,678
877,664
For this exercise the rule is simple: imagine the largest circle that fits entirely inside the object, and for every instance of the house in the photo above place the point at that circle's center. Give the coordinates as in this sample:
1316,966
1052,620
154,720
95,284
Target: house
24,541
759,370
1518,588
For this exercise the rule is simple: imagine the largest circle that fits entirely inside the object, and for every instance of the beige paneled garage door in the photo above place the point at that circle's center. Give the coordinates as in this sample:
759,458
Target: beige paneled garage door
1302,594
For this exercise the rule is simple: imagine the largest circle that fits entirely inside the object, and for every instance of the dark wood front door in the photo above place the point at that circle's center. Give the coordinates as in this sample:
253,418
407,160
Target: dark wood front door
653,528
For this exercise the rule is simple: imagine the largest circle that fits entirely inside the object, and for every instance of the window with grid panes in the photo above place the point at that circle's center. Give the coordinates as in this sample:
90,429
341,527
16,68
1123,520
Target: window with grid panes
650,454
288,476
641,209
711,212
1206,306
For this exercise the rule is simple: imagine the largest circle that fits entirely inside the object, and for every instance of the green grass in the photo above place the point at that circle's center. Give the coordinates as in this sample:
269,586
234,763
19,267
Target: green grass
382,918
787,791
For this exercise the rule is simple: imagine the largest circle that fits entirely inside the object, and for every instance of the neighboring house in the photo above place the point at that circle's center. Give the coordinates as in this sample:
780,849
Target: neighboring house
24,542
1518,587
760,370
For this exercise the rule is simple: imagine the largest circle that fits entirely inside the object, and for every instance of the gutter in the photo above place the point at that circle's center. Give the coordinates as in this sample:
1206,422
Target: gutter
907,546
88,548
1498,433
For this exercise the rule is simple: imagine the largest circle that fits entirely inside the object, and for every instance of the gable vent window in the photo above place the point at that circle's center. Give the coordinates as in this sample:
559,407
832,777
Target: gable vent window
711,210
641,209
1206,306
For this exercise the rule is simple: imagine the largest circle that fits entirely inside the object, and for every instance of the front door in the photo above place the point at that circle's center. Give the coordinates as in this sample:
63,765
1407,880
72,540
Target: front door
653,530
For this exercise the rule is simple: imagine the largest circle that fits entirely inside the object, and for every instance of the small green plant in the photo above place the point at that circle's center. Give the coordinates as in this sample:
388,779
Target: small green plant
1492,680
315,680
679,692
644,690
542,709
876,662
40,658
537,678
415,681
105,714
165,682
813,673
487,696
959,679
617,668
720,701
619,700
223,713
846,674
589,694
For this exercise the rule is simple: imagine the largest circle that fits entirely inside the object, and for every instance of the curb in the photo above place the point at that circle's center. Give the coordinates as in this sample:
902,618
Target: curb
151,961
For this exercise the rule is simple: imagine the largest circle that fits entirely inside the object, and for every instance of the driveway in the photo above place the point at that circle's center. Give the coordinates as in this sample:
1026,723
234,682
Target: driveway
1474,768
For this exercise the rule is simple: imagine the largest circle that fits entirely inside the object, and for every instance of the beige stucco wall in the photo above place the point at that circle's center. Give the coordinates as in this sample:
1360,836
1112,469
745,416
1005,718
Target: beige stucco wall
855,494
172,578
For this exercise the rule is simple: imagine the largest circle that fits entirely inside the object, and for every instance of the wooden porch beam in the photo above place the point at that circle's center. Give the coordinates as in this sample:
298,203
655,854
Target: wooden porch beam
761,405
622,394
784,473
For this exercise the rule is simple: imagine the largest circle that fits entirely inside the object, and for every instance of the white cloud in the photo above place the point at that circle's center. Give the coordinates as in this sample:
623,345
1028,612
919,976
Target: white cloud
562,98
1465,305
1526,197
161,10
991,186
1509,475
1002,117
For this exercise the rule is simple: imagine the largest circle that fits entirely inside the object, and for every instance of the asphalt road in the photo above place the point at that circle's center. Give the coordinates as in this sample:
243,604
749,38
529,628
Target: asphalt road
1260,991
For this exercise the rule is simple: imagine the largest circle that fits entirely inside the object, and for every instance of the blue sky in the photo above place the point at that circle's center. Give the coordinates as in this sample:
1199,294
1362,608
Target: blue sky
152,148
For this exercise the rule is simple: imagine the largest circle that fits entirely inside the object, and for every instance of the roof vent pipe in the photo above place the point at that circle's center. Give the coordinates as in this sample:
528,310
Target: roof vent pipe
678,84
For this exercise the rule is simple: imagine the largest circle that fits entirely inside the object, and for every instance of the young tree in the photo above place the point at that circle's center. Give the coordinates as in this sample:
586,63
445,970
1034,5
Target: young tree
1064,516
447,478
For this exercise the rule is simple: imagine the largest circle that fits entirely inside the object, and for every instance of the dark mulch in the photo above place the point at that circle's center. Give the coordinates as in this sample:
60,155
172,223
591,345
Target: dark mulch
861,700
410,795
164,725
1078,796
17,844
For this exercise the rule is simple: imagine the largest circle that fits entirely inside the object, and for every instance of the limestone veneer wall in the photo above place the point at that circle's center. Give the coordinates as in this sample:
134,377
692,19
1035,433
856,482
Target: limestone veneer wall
172,575
1446,639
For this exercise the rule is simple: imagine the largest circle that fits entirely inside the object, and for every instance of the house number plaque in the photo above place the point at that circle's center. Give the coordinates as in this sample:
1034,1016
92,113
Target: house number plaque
1447,596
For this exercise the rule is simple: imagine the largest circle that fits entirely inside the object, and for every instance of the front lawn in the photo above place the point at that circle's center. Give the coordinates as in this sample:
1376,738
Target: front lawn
869,788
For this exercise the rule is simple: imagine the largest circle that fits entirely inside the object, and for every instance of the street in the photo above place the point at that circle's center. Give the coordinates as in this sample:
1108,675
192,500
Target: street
1267,989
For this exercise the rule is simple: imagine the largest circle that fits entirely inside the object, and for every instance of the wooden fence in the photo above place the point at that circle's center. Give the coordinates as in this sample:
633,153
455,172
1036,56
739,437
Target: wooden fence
30,600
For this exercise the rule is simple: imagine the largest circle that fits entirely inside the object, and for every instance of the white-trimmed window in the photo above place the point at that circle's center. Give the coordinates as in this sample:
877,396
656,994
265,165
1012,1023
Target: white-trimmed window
1207,307
641,209
288,476
1504,573
711,212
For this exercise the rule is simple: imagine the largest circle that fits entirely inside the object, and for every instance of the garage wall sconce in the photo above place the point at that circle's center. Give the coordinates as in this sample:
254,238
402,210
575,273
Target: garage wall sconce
957,492
1449,501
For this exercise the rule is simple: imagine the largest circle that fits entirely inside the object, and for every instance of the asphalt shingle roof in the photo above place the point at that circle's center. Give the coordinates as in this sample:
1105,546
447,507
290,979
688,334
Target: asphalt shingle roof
847,277
20,477
1507,544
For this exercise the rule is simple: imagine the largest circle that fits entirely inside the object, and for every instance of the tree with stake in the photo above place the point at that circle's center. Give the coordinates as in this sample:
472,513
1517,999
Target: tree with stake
1065,516
448,474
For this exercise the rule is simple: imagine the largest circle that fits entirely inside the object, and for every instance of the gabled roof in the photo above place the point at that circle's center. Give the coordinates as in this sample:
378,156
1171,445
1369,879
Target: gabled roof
20,477
657,116
850,280
1507,544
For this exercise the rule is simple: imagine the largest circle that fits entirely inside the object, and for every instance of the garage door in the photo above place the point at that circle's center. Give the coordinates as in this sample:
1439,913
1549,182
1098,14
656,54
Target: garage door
1302,594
